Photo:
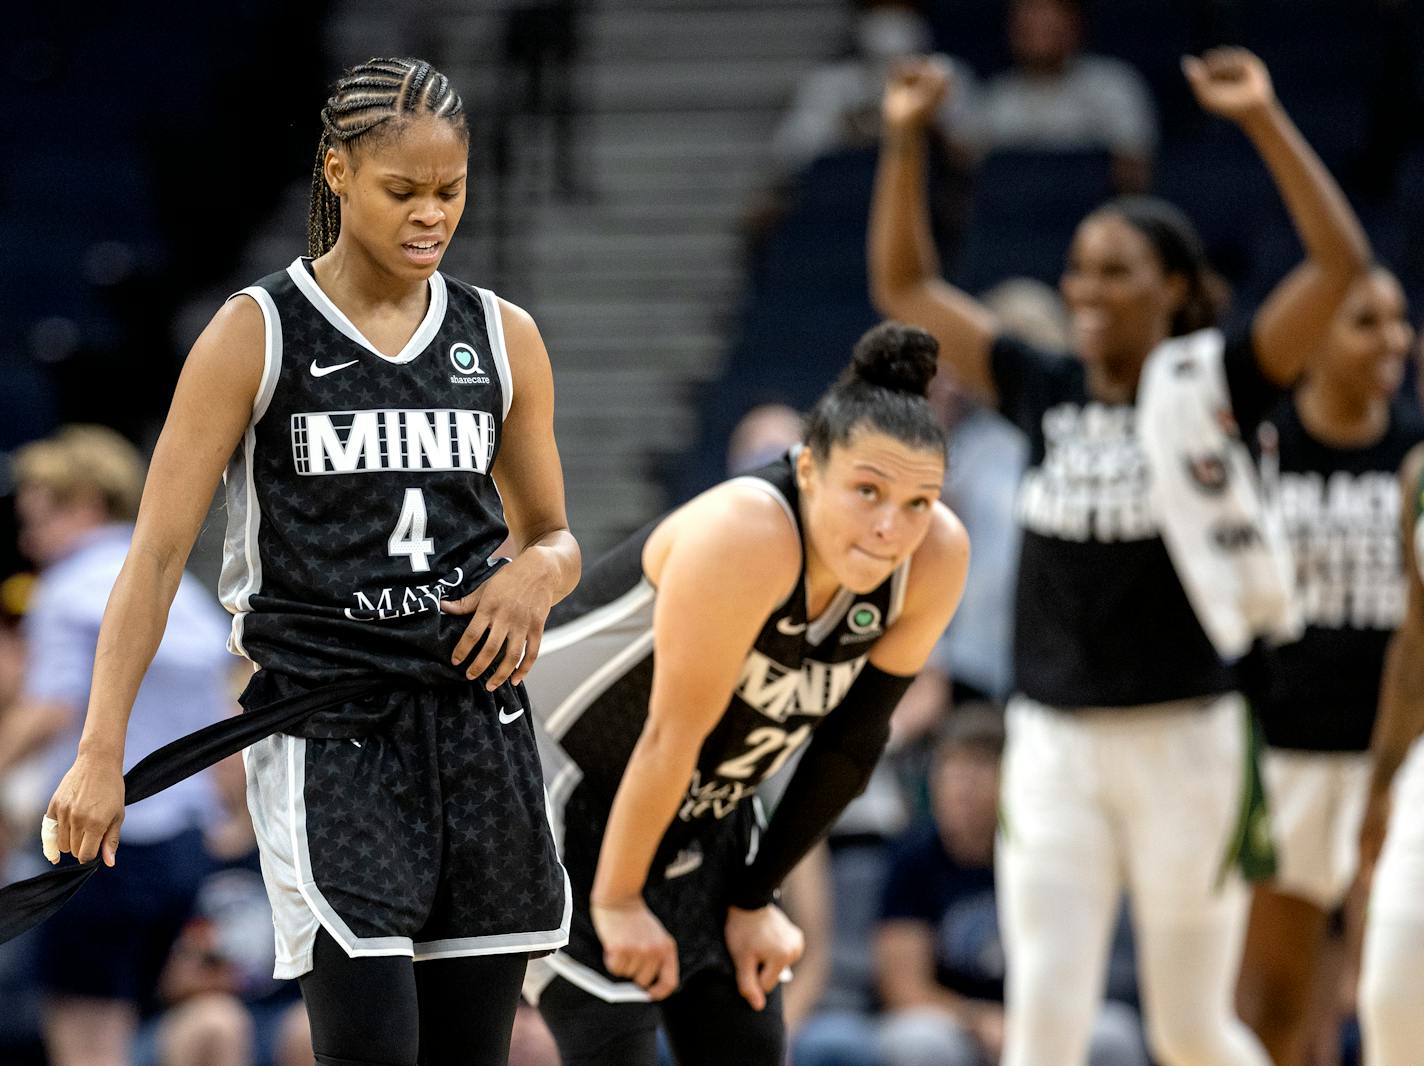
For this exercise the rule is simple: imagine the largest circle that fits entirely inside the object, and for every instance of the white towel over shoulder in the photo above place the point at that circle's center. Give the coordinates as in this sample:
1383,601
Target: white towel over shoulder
1217,513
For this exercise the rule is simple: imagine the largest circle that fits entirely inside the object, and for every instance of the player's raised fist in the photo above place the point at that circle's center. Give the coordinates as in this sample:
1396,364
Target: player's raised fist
1230,82
914,93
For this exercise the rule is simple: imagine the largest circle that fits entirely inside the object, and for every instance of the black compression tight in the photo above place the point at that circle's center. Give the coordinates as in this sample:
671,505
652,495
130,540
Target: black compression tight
388,1011
708,1023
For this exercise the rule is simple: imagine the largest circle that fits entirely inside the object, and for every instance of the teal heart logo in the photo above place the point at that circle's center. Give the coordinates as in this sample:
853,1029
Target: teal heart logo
864,617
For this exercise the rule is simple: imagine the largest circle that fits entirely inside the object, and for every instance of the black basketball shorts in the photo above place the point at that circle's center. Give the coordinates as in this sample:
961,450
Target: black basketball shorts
689,890
409,823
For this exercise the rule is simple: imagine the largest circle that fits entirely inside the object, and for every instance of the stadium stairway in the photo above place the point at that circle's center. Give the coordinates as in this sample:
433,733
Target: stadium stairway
634,280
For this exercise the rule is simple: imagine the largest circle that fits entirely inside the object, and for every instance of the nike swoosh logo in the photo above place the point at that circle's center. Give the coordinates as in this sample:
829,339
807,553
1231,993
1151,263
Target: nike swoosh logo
790,628
322,371
505,719
685,863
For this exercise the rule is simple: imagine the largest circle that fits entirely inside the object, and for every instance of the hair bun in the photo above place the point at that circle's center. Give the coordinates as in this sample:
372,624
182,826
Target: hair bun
897,357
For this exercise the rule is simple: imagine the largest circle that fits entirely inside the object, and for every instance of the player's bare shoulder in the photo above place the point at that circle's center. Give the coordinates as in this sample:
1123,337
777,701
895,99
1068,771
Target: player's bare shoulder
945,550
736,527
227,361
522,340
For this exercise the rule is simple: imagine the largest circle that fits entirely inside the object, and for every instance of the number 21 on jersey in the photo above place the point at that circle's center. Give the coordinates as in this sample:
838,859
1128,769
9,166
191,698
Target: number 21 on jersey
764,741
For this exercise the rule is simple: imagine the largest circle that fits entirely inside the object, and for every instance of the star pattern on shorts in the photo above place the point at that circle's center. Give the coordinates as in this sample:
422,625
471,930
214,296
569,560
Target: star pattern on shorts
434,827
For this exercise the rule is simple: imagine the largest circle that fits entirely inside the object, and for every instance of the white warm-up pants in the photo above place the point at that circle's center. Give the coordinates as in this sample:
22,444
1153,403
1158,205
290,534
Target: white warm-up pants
1146,800
1317,802
1392,972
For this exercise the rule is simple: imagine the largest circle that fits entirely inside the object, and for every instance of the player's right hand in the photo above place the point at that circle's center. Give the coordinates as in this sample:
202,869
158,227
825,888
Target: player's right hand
762,943
89,807
636,946
914,93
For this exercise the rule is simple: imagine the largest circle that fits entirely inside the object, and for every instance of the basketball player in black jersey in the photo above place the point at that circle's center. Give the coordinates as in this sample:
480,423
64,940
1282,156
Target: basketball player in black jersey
1127,746
1337,445
784,610
365,406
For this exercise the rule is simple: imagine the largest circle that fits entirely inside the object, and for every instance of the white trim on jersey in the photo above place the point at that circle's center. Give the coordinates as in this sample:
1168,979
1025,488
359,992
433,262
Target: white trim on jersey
271,352
827,620
567,713
772,491
610,614
593,982
494,329
777,495
899,584
419,340
242,563
557,795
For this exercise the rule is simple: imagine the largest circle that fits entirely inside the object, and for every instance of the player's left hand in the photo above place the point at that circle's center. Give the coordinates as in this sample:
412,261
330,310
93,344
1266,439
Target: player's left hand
1230,82
509,611
762,943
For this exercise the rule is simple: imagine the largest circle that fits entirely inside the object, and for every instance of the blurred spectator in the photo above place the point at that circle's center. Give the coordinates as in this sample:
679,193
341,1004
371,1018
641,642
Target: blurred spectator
837,105
807,897
225,1008
940,959
828,136
1055,97
77,496
15,593
20,1043
762,436
15,788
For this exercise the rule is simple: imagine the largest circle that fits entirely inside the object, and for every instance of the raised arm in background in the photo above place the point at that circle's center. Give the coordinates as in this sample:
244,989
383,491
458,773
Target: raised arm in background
905,281
1233,83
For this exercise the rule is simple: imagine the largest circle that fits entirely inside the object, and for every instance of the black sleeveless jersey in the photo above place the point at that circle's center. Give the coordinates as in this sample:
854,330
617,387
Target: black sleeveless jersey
1341,508
1101,618
591,683
360,495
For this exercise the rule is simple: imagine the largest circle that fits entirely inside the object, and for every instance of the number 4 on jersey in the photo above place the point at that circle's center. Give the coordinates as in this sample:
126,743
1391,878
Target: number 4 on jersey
409,537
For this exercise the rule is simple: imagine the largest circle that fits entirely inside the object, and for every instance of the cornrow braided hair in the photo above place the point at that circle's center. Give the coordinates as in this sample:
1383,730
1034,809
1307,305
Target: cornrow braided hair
363,98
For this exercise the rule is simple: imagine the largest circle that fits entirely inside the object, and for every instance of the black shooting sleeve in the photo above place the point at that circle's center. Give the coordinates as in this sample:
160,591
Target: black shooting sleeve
834,770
